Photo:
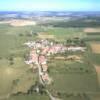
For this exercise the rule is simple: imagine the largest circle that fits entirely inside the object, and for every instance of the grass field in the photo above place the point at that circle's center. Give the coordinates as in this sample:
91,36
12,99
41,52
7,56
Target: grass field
62,34
12,66
19,71
33,96
68,76
98,72
12,38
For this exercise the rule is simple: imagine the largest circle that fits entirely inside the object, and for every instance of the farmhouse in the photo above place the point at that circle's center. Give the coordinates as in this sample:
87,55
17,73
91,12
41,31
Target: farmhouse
71,48
43,48
42,60
44,67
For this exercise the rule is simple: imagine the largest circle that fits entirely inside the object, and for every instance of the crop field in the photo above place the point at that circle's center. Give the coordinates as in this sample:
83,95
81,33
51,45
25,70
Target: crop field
91,30
11,73
17,23
68,76
15,76
95,96
13,38
65,33
98,72
33,96
45,35
95,47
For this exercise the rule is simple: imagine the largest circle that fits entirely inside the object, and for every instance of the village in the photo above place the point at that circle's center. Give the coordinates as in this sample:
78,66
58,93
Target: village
40,50
49,50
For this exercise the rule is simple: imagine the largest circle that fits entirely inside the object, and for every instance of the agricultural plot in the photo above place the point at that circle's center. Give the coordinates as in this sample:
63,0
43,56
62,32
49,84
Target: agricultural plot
98,72
94,96
12,77
15,76
95,47
62,34
13,38
67,75
33,96
16,23
44,35
91,30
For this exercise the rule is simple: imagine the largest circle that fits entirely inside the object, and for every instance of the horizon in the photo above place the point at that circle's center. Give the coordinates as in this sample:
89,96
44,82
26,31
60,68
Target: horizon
50,5
43,11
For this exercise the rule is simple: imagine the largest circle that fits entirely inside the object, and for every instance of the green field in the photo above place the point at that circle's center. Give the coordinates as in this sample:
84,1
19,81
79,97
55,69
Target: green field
12,56
68,76
62,34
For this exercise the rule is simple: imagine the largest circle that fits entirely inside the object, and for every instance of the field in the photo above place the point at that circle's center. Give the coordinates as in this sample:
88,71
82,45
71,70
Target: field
45,35
91,30
17,23
33,96
98,72
61,34
12,57
13,38
95,47
70,78
73,73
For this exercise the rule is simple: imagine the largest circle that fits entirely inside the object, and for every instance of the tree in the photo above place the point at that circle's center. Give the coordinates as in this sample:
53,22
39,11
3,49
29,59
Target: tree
21,35
11,59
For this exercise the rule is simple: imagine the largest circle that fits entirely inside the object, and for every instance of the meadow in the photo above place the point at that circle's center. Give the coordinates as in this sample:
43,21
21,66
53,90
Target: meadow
68,76
12,57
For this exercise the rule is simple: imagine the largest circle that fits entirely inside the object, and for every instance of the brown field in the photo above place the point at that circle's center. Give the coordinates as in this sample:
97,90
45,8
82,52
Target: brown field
19,22
95,47
44,35
89,30
98,72
60,58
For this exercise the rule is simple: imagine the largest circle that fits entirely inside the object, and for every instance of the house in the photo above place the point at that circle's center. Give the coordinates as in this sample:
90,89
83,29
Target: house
34,56
71,48
29,62
30,44
42,59
45,50
44,67
45,77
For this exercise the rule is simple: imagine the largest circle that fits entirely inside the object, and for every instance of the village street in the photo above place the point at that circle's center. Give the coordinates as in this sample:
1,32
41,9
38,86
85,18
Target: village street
39,52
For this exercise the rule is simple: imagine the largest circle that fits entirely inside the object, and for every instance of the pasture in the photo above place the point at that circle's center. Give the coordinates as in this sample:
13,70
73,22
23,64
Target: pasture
98,72
68,76
73,77
61,34
9,74
15,75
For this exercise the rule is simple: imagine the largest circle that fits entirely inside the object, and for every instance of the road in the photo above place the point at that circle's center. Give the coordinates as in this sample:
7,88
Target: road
42,82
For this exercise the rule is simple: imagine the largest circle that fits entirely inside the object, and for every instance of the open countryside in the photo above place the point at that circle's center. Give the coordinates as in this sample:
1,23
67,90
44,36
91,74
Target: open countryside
54,59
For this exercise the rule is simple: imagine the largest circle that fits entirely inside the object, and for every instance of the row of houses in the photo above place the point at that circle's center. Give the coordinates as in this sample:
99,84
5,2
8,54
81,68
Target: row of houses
42,48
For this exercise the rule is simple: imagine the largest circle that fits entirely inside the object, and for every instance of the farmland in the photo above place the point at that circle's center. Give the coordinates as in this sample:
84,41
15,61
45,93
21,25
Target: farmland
12,53
72,79
95,47
16,23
